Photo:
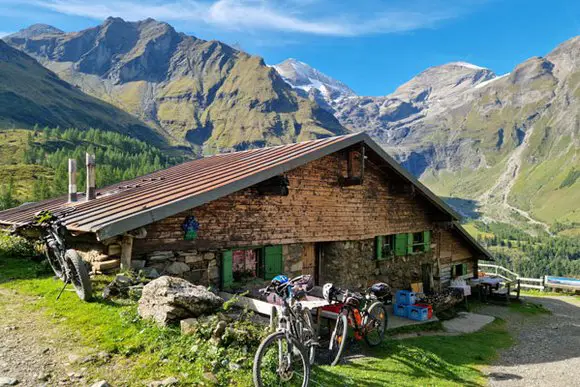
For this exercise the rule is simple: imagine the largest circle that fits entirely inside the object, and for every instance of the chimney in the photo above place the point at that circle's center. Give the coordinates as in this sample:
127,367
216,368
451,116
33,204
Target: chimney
72,180
91,177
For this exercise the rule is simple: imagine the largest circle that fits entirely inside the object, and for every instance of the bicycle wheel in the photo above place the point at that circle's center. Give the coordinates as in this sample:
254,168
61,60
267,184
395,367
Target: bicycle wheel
338,339
375,324
309,335
54,263
280,361
79,275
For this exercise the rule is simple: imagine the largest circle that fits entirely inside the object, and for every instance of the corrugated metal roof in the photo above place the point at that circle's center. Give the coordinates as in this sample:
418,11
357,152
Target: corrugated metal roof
135,203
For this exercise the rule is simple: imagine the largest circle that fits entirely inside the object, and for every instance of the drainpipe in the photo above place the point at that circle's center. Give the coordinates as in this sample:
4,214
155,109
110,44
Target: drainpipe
91,177
72,180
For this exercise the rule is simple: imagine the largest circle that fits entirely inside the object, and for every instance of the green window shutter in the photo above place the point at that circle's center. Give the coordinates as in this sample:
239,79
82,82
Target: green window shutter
273,263
464,269
401,244
410,243
427,240
379,247
227,269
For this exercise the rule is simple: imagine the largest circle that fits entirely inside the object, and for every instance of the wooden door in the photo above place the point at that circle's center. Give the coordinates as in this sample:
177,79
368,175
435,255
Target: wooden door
309,260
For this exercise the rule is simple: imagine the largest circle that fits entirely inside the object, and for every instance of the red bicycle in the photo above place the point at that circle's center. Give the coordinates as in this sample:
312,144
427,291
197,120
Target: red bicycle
366,314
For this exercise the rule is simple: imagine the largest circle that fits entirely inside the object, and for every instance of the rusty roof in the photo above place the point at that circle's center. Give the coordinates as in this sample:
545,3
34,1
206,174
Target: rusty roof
134,203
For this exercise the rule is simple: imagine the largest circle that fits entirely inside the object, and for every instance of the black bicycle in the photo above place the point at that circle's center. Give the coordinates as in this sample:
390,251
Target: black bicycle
284,357
366,314
66,263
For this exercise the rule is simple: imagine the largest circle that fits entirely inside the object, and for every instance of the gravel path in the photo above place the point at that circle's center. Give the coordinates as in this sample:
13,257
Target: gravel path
32,352
547,352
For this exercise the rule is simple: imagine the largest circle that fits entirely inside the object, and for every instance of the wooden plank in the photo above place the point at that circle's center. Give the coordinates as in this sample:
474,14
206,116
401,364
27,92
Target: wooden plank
309,260
258,306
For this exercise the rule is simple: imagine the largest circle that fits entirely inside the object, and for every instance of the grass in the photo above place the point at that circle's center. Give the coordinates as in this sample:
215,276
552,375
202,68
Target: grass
528,308
430,360
142,351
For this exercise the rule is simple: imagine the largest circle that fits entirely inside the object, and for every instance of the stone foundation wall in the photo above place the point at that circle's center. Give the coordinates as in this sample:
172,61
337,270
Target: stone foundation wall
349,264
198,267
352,264
293,259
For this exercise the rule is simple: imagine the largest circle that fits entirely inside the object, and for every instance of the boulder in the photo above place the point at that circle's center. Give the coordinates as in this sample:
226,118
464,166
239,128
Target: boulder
177,268
170,299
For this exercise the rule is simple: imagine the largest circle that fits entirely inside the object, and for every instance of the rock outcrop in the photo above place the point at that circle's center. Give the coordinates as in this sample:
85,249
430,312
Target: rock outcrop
169,299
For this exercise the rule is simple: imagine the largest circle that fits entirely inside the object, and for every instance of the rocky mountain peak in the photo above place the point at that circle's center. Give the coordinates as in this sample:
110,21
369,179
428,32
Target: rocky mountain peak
440,82
36,30
311,81
566,57
531,70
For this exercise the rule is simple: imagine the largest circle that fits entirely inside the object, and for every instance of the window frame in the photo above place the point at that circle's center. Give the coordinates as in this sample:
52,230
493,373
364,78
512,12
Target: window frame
382,253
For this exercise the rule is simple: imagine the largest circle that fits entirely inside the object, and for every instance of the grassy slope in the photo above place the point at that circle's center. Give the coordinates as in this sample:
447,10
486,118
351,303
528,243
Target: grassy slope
547,185
30,94
144,352
12,145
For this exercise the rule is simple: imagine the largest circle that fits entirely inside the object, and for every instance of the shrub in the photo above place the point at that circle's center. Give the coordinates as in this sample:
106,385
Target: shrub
15,246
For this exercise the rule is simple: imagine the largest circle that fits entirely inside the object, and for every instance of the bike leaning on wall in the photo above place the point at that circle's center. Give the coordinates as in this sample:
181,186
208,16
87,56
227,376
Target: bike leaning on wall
285,356
66,263
366,314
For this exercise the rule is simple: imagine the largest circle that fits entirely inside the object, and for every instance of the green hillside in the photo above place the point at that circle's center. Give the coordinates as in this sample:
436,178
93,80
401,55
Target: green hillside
33,163
32,95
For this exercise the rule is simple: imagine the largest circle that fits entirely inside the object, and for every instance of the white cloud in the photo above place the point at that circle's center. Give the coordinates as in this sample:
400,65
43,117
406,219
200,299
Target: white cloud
317,17
4,33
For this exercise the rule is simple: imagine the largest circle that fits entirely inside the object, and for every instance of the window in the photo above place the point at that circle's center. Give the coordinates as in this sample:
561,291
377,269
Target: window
384,246
404,244
243,266
459,270
419,242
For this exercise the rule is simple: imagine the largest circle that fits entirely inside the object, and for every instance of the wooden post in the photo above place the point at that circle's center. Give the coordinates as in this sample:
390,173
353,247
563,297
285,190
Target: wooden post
126,252
91,177
72,180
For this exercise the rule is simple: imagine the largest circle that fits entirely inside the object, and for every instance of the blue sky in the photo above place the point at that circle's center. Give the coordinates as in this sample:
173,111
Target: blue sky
371,45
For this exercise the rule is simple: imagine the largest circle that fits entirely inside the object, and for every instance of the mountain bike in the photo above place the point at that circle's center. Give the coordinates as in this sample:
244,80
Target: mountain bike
364,313
285,356
66,263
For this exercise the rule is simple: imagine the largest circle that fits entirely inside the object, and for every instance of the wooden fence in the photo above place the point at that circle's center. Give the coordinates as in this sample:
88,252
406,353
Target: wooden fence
508,275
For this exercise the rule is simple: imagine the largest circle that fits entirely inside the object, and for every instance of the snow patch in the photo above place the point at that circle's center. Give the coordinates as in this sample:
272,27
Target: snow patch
468,65
485,83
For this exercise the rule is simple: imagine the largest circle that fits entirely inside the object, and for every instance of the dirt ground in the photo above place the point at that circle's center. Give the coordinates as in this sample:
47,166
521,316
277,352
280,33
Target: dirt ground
33,352
547,352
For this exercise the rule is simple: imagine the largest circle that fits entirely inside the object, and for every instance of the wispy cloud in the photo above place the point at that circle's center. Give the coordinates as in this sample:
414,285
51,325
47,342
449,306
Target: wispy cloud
317,17
4,33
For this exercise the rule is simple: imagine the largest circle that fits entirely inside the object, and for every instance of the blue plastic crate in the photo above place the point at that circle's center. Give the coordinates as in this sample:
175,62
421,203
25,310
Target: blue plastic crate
400,310
417,313
405,297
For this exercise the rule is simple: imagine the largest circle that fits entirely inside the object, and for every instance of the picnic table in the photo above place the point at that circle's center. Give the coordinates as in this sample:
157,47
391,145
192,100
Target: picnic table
487,287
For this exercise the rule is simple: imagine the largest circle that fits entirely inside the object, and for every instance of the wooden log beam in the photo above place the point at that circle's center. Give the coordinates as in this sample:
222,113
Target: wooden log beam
126,252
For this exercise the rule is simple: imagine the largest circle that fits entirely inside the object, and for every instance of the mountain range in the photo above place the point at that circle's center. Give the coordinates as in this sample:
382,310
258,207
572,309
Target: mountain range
195,93
506,146
500,147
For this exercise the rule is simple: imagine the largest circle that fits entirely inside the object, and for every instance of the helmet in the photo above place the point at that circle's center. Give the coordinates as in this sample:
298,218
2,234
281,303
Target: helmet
279,280
381,289
328,291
